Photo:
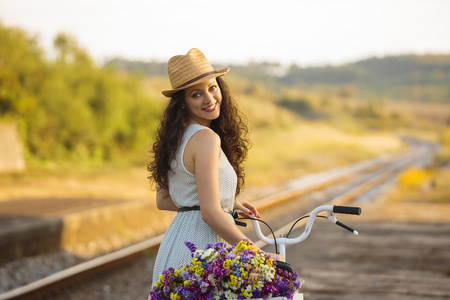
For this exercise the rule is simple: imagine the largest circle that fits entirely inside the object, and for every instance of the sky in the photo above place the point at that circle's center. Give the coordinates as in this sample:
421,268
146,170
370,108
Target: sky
304,32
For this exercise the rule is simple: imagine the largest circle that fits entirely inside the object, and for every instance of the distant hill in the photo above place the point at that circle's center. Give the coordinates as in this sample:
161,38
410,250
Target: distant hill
406,77
409,77
151,68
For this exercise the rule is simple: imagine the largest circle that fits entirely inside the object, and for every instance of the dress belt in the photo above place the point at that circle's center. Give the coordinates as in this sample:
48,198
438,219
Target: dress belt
234,214
188,208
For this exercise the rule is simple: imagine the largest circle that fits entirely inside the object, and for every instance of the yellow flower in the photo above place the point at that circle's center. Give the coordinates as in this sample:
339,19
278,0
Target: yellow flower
198,269
258,260
244,274
227,264
233,280
174,297
242,245
244,293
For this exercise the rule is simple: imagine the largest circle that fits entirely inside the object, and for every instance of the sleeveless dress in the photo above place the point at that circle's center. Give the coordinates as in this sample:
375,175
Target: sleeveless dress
188,225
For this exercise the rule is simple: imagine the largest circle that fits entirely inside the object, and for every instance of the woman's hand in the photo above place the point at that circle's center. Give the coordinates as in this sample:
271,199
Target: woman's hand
163,200
246,207
276,256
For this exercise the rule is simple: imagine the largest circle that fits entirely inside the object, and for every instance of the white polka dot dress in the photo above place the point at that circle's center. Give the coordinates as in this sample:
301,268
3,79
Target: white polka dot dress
189,226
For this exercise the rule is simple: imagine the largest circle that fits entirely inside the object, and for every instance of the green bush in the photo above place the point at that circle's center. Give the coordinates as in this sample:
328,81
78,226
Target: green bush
68,108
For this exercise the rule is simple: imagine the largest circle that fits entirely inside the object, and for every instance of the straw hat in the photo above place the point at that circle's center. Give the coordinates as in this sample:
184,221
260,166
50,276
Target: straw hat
188,70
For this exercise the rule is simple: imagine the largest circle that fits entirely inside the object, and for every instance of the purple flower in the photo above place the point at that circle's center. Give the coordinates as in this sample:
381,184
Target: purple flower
257,294
231,256
191,246
219,246
185,275
204,265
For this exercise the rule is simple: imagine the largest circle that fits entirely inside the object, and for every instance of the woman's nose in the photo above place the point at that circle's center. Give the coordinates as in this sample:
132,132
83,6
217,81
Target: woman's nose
209,97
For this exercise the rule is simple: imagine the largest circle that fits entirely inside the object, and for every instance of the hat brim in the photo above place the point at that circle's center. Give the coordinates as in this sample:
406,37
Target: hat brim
222,72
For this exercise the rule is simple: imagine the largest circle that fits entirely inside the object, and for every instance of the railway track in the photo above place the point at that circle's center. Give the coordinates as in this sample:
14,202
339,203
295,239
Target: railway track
338,186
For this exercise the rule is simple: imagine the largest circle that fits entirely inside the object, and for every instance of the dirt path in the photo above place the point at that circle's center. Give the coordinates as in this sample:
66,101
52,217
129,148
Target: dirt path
407,257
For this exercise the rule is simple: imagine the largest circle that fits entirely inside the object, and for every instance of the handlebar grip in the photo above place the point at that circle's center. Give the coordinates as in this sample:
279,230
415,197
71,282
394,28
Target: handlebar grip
350,210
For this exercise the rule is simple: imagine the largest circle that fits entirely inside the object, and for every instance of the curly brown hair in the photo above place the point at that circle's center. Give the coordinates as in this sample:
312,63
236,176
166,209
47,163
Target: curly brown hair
231,126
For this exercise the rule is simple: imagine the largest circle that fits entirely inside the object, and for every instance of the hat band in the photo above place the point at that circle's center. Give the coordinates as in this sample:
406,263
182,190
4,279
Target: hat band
195,79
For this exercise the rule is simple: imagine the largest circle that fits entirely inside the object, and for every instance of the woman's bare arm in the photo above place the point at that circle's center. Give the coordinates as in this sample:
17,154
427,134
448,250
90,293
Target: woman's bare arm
163,200
206,152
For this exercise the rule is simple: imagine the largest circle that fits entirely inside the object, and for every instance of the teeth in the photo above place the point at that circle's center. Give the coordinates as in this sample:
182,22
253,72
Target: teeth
210,108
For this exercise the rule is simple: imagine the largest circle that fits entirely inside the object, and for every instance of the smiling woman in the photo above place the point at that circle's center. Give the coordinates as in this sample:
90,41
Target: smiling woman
198,154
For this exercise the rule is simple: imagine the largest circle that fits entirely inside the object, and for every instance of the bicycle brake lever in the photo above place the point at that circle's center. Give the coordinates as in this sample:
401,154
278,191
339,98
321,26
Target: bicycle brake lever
331,217
348,228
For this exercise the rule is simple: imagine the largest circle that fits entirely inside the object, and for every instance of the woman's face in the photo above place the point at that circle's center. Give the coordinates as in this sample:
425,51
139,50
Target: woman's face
203,102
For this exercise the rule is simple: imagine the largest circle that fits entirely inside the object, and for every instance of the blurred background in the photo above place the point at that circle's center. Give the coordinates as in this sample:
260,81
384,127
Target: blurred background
324,84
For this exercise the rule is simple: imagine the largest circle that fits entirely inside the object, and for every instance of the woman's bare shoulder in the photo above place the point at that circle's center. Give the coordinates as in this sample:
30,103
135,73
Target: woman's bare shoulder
204,145
206,137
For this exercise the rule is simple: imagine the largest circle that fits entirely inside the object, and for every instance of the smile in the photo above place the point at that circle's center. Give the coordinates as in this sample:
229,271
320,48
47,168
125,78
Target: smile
210,108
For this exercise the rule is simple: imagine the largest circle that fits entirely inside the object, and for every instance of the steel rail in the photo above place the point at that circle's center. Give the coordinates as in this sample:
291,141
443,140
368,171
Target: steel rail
307,184
357,190
52,282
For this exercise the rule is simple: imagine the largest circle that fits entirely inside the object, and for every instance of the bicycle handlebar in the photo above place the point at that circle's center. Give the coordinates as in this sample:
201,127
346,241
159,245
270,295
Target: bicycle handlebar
350,210
330,209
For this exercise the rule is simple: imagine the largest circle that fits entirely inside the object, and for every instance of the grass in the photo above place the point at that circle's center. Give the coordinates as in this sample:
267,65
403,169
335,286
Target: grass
114,183
277,156
436,112
423,186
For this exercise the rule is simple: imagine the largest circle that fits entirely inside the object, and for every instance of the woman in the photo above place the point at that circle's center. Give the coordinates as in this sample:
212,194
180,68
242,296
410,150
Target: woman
198,154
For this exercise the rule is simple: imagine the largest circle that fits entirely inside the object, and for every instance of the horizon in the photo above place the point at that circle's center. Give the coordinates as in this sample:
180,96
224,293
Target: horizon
247,63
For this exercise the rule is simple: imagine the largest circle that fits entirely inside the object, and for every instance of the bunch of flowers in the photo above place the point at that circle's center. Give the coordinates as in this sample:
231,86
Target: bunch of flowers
218,272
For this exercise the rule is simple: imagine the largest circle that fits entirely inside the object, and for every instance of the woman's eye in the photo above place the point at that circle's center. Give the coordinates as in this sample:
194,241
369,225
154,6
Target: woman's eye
213,87
195,95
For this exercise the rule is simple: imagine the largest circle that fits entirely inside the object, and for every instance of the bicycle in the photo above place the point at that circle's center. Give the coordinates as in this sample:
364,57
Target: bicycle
281,241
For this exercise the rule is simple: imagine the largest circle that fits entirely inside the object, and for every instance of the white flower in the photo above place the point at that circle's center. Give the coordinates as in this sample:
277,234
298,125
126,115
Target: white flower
259,285
207,253
211,278
240,281
198,276
248,289
230,295
212,258
268,272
